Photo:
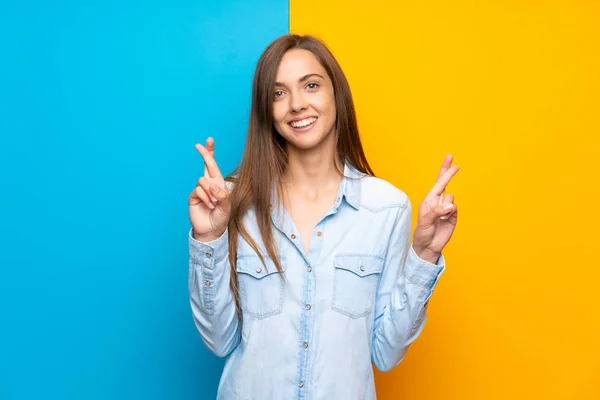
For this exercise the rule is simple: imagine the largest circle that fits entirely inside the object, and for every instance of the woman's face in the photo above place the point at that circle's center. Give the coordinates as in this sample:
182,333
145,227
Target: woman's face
303,101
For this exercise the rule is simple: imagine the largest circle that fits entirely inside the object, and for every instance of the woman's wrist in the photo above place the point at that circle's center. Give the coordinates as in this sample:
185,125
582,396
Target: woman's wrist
427,254
208,237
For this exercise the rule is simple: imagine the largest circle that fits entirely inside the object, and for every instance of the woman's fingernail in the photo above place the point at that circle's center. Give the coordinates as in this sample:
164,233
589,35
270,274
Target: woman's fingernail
214,188
213,199
448,206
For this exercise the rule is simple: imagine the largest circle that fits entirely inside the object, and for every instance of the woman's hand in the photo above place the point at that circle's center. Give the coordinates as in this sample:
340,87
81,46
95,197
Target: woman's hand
209,204
437,217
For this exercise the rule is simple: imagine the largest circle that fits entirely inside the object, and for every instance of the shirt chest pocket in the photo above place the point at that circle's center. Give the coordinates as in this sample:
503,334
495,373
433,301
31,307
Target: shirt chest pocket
355,281
260,286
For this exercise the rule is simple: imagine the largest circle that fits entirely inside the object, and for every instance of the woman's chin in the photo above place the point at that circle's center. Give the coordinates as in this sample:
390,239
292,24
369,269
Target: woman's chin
305,144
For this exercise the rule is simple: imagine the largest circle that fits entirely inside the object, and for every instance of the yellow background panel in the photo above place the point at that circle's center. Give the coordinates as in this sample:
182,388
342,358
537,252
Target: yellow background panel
511,89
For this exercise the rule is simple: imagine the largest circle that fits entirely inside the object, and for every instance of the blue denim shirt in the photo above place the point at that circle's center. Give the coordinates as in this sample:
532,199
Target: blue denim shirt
357,299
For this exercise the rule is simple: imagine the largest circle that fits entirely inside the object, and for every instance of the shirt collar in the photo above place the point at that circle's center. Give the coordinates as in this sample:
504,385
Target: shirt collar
350,187
349,191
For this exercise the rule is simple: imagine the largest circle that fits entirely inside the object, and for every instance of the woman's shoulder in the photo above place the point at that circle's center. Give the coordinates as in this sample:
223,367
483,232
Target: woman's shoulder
378,194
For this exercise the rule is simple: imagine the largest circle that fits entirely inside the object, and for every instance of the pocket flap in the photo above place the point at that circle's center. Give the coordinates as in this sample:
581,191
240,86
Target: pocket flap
360,264
252,265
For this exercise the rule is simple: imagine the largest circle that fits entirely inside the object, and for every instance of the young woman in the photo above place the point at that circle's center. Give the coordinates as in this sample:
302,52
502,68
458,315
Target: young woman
301,269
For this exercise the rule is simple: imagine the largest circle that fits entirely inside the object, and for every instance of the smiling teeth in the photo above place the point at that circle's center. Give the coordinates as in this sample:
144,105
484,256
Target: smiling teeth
303,123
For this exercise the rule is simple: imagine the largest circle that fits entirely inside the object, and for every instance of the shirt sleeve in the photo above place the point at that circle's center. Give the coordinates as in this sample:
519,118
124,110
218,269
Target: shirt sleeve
211,300
404,290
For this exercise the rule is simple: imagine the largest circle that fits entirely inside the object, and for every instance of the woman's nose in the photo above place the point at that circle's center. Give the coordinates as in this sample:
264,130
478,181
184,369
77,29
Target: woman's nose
297,102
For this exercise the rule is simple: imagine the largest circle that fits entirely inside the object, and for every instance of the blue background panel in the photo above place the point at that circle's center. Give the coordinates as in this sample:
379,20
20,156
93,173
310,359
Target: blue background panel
101,104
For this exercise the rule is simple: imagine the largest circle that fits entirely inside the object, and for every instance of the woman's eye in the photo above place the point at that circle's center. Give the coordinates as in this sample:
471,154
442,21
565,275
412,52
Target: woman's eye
312,85
278,94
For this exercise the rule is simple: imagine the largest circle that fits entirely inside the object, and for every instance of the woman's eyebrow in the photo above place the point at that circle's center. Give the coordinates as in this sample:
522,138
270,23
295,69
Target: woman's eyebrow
302,79
305,77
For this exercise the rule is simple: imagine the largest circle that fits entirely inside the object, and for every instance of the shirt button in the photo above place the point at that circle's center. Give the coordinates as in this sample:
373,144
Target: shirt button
308,307
301,384
293,236
305,345
319,234
208,255
309,269
259,270
207,283
362,268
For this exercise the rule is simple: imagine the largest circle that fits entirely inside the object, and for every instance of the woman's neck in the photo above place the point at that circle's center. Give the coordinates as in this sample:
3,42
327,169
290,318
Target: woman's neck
313,170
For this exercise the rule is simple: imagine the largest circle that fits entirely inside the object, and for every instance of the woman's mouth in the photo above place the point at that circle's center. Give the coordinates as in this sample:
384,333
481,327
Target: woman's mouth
303,125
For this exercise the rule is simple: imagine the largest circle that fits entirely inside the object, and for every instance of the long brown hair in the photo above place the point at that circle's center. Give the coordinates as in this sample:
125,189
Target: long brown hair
265,159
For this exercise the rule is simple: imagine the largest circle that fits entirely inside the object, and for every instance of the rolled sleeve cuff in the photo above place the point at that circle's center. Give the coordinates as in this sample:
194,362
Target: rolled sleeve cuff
209,253
423,273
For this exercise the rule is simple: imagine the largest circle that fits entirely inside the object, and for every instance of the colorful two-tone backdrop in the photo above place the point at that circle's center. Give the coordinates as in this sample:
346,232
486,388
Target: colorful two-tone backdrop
101,104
